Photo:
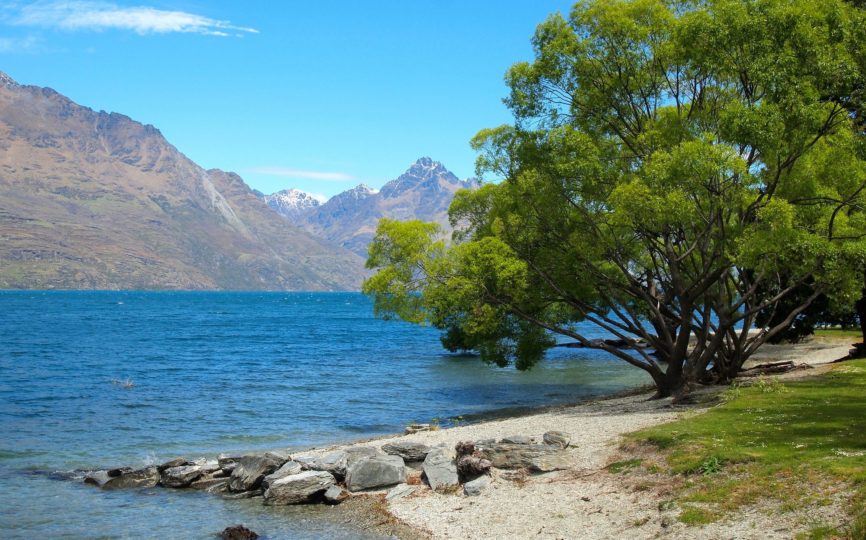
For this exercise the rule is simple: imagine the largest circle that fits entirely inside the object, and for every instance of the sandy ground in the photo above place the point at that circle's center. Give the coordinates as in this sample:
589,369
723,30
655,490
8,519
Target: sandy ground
587,501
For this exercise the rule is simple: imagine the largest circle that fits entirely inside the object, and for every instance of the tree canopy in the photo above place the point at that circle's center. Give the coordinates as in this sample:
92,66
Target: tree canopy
674,169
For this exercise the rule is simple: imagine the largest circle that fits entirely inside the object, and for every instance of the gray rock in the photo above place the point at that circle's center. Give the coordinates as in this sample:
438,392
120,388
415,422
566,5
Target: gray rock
399,491
307,462
96,478
338,461
226,461
408,450
557,438
251,470
114,473
475,487
416,428
374,472
440,469
142,478
218,488
289,468
335,495
534,457
298,488
517,439
206,482
181,476
282,455
176,462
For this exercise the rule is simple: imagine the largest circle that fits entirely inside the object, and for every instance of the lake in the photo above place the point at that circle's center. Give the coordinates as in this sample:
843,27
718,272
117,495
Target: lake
215,372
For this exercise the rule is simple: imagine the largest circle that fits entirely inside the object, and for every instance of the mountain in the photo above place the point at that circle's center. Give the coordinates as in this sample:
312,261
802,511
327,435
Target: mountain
423,192
95,200
292,204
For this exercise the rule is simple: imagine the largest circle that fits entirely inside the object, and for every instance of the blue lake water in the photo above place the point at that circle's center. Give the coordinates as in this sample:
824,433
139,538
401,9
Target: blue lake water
224,372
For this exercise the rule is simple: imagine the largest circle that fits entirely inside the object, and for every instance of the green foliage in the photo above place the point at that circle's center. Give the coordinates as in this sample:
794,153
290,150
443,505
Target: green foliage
673,168
790,445
624,466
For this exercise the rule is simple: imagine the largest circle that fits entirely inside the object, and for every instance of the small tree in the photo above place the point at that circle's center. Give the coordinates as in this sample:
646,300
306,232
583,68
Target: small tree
665,166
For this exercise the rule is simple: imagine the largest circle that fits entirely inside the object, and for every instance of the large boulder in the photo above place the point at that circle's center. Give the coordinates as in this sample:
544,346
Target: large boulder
440,469
299,488
408,450
534,457
181,476
251,470
142,478
375,472
289,468
337,462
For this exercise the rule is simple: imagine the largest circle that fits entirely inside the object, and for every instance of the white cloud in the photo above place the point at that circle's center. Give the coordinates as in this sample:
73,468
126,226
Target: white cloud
85,15
16,45
299,173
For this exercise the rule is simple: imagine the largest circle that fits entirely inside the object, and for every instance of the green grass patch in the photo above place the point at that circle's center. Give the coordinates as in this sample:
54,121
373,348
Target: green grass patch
853,333
795,442
624,466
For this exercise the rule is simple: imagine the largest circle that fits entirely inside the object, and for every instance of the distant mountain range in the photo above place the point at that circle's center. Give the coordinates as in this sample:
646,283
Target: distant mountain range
349,219
92,200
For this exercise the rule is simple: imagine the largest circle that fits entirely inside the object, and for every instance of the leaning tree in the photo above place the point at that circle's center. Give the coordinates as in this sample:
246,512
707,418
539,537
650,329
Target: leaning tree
674,169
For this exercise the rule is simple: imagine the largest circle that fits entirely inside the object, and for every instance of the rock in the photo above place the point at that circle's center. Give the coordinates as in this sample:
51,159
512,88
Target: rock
338,462
222,487
142,478
415,428
374,472
472,466
307,462
534,457
205,482
557,438
176,462
251,470
227,463
517,439
408,450
399,491
440,469
298,488
96,478
335,495
181,476
279,455
476,486
114,473
238,532
289,468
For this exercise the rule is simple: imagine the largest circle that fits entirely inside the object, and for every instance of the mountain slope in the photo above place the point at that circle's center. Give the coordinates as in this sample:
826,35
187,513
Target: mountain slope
96,200
423,192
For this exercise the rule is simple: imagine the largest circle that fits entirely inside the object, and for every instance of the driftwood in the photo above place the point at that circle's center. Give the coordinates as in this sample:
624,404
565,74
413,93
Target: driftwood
771,368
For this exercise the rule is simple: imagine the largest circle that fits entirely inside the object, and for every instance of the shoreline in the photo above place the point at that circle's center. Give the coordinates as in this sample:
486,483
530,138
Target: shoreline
583,499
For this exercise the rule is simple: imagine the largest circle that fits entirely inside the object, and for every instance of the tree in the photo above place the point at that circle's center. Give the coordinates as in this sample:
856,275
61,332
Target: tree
668,161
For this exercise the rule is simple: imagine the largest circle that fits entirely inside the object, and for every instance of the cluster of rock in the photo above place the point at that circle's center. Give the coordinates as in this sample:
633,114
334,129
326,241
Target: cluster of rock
282,479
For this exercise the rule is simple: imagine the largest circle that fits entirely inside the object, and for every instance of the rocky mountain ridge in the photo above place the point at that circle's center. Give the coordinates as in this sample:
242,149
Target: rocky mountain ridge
96,200
423,192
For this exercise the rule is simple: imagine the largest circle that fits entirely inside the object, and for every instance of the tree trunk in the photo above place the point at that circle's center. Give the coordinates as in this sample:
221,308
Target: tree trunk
860,308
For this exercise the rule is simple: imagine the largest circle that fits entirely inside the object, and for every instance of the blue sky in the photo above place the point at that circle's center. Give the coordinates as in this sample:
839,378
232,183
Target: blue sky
316,95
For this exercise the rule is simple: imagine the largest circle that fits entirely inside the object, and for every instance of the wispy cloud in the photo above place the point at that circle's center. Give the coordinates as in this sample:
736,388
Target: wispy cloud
18,45
84,15
302,174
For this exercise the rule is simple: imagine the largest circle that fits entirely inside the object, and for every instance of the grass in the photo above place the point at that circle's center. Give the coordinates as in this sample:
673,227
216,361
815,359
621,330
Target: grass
852,333
798,443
